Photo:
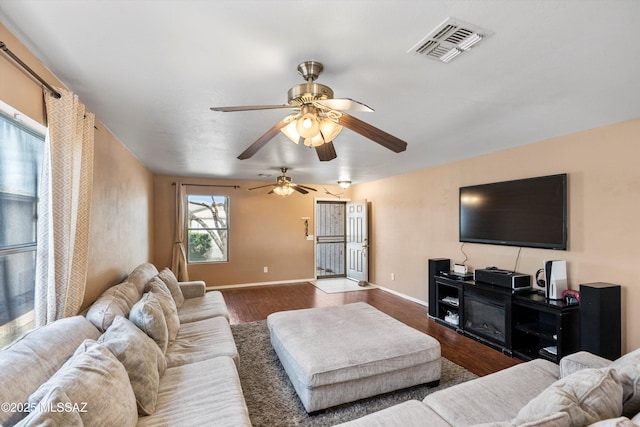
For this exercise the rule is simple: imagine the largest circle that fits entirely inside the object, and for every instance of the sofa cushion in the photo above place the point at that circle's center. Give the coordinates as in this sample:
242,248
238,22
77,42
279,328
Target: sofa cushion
559,419
581,360
588,396
210,305
503,394
115,301
94,376
147,315
202,340
200,394
411,413
55,409
615,422
628,366
169,309
32,359
169,279
141,275
141,358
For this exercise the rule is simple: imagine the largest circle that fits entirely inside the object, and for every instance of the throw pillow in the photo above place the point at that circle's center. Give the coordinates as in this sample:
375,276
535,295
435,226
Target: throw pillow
141,275
147,315
115,301
169,279
142,359
628,366
588,396
160,290
55,409
98,383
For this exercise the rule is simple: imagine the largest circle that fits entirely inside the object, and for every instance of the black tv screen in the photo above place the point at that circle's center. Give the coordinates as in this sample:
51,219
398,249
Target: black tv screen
528,212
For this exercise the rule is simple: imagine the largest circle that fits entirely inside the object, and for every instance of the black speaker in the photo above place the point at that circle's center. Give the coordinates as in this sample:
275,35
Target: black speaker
600,319
436,266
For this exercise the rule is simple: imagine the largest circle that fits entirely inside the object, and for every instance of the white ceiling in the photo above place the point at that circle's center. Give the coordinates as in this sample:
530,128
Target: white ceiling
151,69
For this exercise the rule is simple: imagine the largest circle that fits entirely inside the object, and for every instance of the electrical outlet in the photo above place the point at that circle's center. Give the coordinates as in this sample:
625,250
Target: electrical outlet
393,276
266,269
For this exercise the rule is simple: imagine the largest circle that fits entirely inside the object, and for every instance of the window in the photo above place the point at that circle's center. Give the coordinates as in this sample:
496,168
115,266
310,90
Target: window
208,228
21,151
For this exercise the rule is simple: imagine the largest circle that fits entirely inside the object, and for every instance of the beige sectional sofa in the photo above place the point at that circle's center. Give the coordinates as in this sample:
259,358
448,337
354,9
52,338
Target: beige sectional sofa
149,352
583,390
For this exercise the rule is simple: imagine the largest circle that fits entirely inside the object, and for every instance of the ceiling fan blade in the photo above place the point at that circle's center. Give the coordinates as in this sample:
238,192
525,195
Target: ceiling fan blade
262,186
305,187
326,151
252,107
373,133
299,189
260,142
343,104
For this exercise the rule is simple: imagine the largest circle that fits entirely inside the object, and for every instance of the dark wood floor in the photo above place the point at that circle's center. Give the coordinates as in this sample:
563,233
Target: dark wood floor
256,303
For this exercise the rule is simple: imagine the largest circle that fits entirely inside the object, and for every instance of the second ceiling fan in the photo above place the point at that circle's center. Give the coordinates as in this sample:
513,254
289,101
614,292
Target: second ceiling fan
318,119
284,186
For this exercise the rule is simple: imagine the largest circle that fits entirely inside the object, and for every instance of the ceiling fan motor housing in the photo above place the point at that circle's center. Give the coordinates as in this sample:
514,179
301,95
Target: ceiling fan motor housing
284,180
309,92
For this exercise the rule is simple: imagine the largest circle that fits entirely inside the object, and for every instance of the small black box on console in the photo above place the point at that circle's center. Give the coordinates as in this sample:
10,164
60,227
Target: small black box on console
504,278
457,276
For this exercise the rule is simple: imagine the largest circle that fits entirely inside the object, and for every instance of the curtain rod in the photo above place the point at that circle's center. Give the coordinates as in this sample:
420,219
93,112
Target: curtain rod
210,185
54,92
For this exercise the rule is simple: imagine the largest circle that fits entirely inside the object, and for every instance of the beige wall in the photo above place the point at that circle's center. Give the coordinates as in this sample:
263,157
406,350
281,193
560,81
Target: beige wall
121,212
415,215
121,215
265,231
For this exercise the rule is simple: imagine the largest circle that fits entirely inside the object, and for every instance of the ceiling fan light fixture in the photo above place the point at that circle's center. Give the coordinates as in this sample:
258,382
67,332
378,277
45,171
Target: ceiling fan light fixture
291,132
316,141
315,103
329,129
283,190
307,125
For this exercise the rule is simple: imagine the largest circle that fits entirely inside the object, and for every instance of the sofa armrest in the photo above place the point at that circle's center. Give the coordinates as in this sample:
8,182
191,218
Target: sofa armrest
193,289
581,360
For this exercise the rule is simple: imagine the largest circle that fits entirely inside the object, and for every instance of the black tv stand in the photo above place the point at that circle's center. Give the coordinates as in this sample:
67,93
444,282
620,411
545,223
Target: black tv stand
523,324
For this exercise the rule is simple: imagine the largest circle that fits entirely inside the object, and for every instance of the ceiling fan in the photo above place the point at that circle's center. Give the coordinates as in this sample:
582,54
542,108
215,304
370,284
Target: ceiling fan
284,186
318,119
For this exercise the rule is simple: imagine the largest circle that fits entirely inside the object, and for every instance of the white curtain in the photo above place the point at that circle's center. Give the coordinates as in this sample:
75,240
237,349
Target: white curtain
64,209
179,258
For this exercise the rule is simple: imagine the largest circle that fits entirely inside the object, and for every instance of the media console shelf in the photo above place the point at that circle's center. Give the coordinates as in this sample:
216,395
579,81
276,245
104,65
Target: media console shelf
543,328
523,324
449,297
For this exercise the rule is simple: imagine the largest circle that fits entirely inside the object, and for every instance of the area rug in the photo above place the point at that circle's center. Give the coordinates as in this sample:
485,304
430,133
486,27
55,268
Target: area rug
332,286
272,400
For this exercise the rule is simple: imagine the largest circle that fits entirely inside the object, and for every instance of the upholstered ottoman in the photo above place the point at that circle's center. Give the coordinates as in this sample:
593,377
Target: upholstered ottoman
335,355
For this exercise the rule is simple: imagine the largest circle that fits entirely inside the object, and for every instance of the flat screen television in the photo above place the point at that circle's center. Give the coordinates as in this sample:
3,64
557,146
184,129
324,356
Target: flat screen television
529,212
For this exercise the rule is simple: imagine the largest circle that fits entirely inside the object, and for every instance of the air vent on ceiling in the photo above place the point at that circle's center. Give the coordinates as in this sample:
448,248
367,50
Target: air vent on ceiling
450,39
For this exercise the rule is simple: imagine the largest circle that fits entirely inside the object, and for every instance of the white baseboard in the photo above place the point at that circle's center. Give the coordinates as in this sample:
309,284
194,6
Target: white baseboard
401,295
248,285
